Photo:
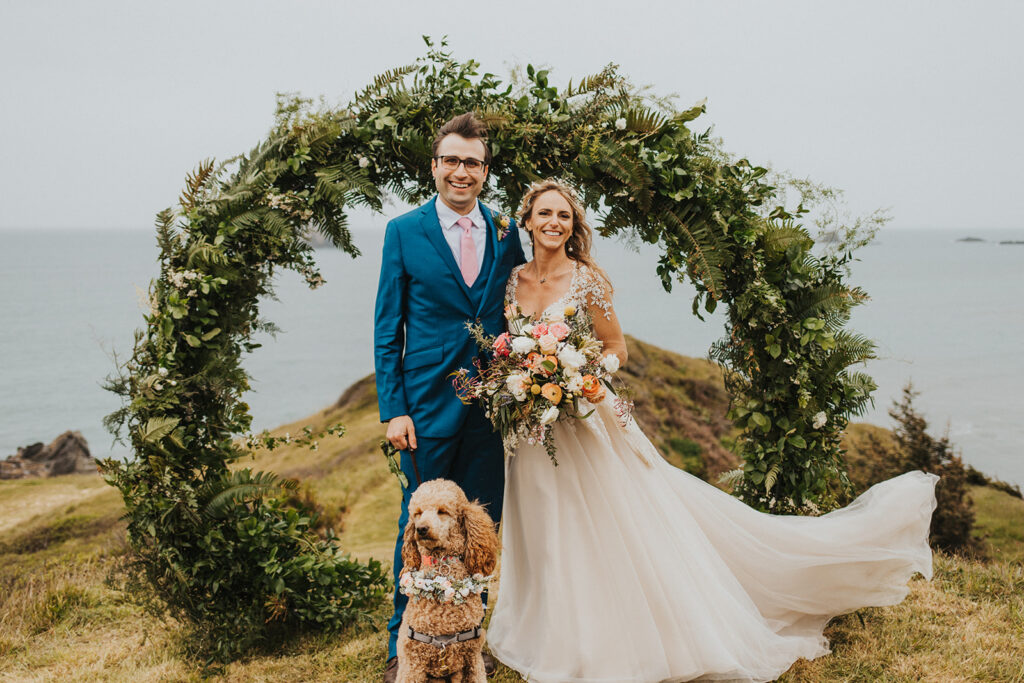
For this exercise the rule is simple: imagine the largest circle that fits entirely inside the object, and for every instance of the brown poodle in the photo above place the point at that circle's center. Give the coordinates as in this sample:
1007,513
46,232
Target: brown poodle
447,536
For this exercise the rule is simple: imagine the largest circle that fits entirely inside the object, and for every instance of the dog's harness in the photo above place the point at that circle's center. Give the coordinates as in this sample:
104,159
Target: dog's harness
444,641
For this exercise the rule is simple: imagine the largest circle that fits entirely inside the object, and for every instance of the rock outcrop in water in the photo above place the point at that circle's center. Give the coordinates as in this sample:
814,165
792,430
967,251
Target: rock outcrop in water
68,454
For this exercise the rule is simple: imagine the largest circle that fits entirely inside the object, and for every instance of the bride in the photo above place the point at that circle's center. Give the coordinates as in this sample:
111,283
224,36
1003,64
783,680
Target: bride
619,567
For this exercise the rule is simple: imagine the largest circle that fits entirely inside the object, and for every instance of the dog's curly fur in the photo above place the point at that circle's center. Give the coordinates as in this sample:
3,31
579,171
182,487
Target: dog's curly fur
443,522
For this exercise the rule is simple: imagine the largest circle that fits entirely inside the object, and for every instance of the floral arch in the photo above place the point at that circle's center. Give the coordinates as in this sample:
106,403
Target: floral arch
200,533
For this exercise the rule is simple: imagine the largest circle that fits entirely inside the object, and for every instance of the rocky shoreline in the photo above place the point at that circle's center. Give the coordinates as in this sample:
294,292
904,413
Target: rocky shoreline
67,454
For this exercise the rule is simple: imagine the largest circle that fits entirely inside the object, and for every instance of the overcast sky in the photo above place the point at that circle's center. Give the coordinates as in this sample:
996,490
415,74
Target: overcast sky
914,106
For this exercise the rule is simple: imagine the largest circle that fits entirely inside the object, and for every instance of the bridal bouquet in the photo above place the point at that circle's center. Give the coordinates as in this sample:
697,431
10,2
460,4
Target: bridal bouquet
540,372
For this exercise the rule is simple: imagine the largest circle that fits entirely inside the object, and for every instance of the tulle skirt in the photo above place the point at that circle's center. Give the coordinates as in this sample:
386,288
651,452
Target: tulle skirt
618,567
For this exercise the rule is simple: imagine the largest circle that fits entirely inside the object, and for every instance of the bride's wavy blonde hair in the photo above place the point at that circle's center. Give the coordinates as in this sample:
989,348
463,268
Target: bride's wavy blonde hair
577,247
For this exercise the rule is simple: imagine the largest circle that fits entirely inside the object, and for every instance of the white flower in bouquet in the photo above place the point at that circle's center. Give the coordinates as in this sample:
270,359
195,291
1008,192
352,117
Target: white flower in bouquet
528,328
574,382
819,420
610,363
516,384
570,358
549,415
523,345
620,124
548,343
449,593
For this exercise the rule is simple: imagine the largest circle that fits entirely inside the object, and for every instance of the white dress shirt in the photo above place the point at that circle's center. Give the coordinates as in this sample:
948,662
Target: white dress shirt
453,232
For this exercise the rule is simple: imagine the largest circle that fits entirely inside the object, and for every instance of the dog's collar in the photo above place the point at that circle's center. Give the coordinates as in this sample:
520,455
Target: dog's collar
428,561
447,639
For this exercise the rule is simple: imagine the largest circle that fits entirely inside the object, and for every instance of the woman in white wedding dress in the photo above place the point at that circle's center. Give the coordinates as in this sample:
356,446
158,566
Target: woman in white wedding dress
618,567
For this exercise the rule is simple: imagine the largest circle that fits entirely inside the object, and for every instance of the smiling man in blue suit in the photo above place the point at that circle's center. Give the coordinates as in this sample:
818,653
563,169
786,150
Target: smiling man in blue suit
445,263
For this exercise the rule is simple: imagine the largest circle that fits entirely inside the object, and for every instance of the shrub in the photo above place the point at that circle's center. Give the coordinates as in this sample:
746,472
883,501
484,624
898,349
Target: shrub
912,448
244,566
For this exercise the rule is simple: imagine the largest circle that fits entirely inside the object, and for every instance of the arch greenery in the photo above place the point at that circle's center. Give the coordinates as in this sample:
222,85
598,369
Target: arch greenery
220,547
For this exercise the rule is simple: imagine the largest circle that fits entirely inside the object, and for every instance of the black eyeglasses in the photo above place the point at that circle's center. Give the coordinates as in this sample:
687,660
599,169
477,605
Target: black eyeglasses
450,162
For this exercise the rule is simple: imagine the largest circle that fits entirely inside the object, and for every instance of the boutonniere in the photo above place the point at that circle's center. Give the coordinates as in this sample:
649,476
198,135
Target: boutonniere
501,224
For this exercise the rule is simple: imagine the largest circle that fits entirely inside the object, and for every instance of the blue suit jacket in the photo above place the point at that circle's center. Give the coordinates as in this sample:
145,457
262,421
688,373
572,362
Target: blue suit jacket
423,305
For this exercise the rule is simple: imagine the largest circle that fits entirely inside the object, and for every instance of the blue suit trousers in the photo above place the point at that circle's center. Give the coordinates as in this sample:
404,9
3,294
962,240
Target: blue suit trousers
474,459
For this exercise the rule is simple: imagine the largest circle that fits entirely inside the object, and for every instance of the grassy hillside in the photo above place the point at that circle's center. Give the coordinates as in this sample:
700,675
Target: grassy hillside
62,617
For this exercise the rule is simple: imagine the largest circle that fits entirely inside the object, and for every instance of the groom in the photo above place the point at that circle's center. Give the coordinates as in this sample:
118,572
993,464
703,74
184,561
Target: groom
445,263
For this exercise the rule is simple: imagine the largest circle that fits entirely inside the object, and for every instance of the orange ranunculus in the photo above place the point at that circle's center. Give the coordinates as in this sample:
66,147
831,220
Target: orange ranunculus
551,392
593,390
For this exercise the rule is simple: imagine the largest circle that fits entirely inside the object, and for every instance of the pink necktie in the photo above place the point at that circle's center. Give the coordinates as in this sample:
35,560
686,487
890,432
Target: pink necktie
469,265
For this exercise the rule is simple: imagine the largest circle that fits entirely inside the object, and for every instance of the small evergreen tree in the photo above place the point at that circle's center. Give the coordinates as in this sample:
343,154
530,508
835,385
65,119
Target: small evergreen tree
917,450
912,448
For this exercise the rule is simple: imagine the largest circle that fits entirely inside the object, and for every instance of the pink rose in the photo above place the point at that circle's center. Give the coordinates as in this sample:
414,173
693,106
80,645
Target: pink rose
501,344
559,330
539,330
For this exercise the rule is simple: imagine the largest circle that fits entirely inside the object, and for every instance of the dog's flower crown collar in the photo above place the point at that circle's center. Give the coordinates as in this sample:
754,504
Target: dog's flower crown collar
437,585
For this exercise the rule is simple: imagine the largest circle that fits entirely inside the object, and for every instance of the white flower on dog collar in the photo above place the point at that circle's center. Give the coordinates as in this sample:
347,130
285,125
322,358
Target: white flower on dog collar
436,586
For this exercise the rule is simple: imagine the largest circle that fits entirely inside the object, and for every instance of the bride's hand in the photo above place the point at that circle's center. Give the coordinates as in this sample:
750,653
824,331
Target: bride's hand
609,332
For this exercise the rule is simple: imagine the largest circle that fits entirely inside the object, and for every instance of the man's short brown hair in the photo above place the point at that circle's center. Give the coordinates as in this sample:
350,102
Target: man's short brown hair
464,125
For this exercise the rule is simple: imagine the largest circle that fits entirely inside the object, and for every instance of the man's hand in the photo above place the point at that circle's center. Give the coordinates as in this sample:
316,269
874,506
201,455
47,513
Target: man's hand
401,433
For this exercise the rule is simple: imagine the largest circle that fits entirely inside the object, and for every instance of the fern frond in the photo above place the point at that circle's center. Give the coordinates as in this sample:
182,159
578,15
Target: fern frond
195,184
850,348
644,121
247,220
830,302
616,162
690,231
344,183
277,224
781,235
234,488
383,81
165,237
202,252
587,84
618,219
865,385
335,228
731,477
319,137
770,477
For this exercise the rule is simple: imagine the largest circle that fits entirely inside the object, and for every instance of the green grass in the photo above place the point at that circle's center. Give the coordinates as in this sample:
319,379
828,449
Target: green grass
999,521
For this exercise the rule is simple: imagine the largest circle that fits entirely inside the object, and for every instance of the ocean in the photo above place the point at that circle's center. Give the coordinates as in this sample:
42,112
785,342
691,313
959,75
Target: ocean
946,315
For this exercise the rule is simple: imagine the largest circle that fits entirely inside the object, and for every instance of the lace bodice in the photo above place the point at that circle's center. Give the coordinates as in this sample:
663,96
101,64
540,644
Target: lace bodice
586,289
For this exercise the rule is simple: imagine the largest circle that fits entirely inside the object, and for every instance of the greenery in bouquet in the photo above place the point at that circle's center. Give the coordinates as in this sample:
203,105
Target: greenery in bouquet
538,372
